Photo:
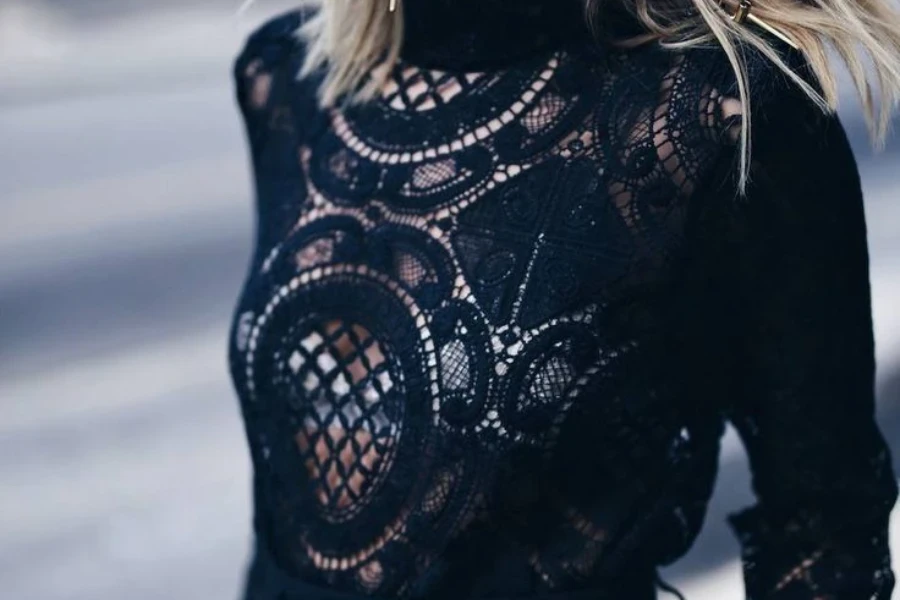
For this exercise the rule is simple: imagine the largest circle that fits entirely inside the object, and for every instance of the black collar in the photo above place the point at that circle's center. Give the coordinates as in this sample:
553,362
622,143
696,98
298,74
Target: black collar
478,35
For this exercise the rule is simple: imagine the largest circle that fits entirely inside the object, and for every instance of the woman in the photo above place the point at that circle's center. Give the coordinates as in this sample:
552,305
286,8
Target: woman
517,262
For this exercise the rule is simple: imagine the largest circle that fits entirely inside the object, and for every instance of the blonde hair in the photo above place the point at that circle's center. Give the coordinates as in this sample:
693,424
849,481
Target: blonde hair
357,42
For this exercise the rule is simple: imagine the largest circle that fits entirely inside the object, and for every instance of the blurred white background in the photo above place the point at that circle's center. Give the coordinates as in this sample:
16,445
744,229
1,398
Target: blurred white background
125,231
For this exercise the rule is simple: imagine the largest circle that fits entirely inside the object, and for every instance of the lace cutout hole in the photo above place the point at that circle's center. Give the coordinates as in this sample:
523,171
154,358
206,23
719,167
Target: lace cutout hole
349,432
259,84
412,88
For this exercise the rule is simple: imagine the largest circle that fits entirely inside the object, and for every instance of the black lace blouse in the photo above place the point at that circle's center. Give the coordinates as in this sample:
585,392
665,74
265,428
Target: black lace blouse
497,318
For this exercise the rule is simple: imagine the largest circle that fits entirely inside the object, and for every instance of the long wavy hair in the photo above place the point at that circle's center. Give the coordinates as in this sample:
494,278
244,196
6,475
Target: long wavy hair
358,41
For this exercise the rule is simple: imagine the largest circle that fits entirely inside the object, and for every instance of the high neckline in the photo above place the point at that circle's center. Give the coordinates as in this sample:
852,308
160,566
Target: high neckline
479,35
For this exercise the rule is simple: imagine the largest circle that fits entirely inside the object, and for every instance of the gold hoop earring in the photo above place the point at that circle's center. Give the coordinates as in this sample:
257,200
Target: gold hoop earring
742,14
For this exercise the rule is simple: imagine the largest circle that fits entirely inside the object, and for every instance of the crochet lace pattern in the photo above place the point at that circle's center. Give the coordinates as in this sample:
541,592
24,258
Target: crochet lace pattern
497,318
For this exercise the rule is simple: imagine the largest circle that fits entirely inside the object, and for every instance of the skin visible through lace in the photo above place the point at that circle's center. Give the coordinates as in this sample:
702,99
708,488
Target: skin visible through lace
348,377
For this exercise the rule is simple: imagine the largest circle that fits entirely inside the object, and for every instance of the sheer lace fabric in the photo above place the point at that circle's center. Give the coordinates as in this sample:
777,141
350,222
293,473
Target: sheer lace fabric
495,321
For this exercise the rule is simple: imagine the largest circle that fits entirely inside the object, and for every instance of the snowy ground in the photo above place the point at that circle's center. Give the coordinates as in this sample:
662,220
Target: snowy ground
122,463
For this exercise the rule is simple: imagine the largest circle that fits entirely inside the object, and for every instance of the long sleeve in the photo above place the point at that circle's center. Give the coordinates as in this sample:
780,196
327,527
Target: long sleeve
794,262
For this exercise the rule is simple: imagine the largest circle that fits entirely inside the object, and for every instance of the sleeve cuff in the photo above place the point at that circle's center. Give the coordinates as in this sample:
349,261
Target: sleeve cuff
797,559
